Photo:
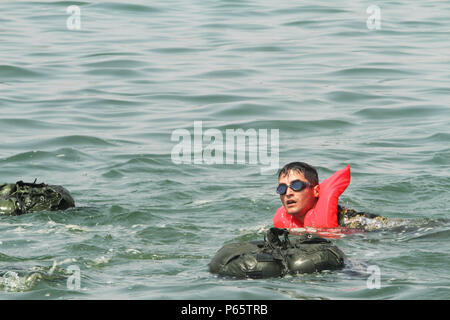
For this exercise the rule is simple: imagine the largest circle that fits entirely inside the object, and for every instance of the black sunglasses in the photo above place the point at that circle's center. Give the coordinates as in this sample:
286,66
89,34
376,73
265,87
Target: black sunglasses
296,185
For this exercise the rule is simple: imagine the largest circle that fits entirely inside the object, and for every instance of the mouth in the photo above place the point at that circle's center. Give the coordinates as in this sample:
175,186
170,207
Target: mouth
290,203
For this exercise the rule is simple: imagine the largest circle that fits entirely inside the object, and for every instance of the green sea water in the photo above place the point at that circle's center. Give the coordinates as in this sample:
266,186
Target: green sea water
91,102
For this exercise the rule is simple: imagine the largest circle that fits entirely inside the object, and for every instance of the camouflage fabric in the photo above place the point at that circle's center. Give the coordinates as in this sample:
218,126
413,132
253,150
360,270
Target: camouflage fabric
21,197
350,218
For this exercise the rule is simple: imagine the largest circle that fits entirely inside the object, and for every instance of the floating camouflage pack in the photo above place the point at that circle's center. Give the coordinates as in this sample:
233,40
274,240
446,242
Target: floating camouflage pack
21,197
306,253
350,218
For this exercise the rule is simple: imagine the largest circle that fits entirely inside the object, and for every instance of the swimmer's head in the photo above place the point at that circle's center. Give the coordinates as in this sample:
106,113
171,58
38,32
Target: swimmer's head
301,167
298,188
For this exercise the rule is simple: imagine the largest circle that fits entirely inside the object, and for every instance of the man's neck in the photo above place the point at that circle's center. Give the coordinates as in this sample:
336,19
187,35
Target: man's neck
300,218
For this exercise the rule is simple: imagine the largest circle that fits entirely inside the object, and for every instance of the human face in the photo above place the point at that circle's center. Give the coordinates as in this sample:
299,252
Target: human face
298,203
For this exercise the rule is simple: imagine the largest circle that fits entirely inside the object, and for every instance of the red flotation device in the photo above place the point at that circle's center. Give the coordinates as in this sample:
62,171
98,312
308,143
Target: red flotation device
324,214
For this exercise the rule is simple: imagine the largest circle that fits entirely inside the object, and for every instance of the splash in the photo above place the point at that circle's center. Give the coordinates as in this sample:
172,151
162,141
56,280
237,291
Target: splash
12,282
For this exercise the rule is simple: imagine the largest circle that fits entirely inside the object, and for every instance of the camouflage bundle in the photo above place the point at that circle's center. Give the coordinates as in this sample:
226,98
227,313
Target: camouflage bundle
21,197
273,257
366,221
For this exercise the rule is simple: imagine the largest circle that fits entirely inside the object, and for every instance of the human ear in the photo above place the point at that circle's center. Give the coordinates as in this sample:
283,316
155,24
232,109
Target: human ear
316,191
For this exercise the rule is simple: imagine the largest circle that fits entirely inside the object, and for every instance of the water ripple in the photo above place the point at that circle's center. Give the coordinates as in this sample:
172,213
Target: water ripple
94,109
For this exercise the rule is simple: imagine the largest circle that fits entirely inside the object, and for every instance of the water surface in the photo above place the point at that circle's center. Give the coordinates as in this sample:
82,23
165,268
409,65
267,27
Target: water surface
94,110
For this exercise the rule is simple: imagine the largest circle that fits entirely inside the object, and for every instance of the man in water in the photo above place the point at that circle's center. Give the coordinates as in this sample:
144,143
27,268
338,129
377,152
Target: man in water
298,187
299,190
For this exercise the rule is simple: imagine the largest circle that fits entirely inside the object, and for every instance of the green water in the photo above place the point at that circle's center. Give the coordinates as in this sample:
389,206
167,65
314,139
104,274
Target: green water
94,110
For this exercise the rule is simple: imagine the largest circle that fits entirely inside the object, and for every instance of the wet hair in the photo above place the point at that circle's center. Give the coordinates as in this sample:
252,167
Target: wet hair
308,171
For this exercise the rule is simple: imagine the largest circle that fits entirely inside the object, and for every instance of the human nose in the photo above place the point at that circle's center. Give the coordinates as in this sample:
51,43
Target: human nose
289,191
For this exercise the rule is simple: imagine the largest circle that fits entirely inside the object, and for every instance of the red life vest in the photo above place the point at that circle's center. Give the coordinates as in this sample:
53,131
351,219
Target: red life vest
324,214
